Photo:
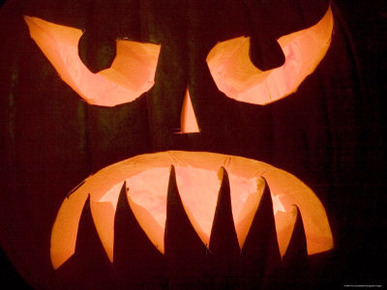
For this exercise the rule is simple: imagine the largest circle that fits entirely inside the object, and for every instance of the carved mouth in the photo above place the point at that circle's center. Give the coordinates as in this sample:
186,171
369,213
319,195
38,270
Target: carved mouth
178,198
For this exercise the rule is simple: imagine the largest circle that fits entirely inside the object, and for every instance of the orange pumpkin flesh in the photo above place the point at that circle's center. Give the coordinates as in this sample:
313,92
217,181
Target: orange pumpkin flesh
198,182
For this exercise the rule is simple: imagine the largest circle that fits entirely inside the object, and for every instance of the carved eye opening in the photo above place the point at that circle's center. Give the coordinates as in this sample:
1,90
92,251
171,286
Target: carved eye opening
236,76
131,74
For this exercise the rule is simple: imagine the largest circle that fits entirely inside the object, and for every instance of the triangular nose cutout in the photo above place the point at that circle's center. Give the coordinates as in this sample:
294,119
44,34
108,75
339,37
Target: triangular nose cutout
189,123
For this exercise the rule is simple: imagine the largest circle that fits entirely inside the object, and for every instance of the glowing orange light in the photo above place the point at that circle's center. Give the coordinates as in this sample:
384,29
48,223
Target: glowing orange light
130,75
239,79
198,182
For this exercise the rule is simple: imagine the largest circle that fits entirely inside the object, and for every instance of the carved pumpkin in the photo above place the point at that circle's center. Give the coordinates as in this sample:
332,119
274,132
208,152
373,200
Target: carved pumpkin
93,85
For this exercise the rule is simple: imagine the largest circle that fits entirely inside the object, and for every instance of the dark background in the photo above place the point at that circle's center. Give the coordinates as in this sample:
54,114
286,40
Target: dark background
51,140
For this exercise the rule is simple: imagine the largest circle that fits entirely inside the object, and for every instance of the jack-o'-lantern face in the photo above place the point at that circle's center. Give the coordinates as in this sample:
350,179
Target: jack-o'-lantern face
226,84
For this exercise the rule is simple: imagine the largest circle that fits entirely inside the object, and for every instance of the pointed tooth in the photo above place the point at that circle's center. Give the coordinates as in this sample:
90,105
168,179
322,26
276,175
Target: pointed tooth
224,247
284,224
184,251
103,216
260,250
297,248
65,229
89,259
223,235
87,237
136,261
294,268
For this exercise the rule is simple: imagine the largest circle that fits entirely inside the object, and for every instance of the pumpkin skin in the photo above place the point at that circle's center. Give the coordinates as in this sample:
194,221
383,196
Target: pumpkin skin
47,152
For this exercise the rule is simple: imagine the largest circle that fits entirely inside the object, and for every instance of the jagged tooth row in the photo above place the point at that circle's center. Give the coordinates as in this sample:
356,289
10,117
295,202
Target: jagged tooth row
186,260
